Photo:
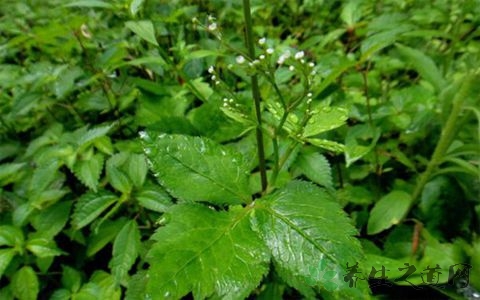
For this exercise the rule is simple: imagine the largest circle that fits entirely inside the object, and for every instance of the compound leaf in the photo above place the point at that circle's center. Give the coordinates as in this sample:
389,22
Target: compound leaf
209,253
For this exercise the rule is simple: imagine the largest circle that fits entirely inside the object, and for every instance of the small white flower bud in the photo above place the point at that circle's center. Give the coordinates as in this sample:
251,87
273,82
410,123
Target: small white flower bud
309,95
212,27
240,59
261,57
213,77
283,57
291,68
211,70
299,55
262,41
269,50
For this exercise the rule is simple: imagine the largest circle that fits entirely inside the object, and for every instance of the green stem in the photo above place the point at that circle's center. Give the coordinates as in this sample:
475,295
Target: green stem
446,137
256,95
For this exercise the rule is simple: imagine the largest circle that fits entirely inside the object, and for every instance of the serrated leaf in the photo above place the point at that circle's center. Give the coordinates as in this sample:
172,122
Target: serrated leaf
89,136
52,220
388,211
144,29
125,250
6,256
316,167
89,206
42,247
325,118
303,225
424,65
197,169
137,169
25,284
154,198
88,171
209,253
104,234
11,236
118,179
104,145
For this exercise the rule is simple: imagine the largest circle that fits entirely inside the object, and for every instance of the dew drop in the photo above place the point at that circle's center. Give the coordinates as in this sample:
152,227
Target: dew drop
161,136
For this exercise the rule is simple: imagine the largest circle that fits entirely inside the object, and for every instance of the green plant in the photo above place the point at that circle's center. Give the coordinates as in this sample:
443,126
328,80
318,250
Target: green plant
223,247
366,112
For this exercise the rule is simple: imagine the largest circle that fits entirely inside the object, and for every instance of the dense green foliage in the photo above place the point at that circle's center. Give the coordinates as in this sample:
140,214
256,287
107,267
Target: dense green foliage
129,153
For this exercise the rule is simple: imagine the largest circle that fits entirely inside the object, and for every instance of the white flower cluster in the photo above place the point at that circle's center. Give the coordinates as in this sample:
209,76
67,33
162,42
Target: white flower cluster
227,102
212,26
213,77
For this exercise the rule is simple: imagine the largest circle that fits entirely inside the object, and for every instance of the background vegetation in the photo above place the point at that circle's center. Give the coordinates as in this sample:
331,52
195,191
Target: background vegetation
98,98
